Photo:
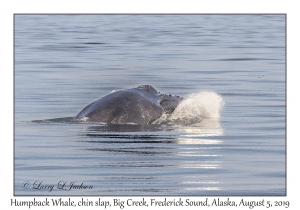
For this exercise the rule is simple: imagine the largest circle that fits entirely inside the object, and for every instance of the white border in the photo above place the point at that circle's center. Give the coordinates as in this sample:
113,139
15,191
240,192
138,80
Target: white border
8,8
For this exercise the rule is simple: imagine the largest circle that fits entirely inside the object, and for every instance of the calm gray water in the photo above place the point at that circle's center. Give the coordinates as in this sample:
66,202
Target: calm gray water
229,68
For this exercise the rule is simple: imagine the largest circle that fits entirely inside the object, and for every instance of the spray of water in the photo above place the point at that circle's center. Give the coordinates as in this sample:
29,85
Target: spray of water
197,106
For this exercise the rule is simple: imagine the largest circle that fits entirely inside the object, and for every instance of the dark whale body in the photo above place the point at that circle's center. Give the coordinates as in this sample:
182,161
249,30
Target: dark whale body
141,105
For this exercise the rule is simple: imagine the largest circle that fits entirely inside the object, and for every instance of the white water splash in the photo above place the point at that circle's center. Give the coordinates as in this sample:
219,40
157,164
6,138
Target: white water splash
205,104
83,119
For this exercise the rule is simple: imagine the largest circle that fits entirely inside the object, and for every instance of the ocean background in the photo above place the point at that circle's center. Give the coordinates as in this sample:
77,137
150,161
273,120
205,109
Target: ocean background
230,69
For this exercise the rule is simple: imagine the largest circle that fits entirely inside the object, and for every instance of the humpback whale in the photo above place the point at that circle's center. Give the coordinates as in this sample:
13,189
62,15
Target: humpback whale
141,105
